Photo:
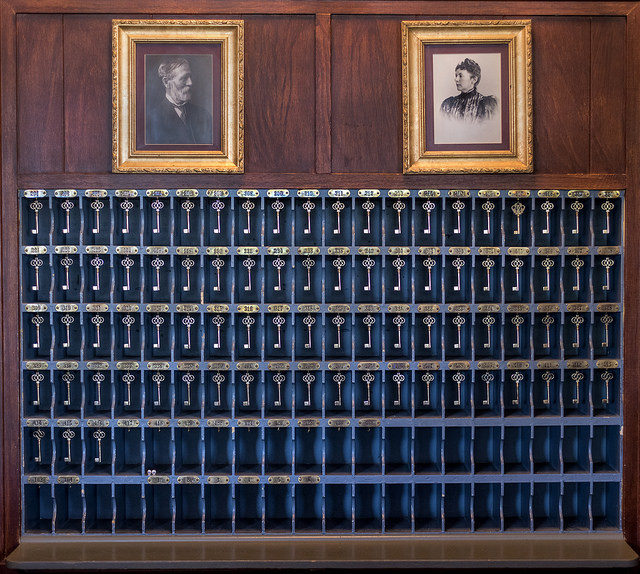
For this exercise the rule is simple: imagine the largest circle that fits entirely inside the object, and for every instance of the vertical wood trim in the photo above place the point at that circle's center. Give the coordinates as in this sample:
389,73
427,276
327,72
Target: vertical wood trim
323,93
9,326
631,450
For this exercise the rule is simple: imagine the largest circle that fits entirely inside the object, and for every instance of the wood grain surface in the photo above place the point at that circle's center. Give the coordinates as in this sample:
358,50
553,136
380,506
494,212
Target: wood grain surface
40,93
463,8
366,92
332,180
87,105
561,76
279,94
608,119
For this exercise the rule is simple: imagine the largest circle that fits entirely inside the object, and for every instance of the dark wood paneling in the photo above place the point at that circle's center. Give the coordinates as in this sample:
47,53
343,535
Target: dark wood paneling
281,128
40,107
607,95
561,95
631,404
10,502
346,180
366,89
366,109
87,93
279,94
323,93
443,7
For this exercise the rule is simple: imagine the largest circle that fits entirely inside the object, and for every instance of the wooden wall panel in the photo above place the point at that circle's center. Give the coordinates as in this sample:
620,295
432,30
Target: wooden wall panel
87,93
65,107
561,75
366,70
607,95
279,94
366,121
40,100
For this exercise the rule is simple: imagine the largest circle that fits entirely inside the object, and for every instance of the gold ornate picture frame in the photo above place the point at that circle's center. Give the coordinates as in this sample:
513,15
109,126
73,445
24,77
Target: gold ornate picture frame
467,96
178,90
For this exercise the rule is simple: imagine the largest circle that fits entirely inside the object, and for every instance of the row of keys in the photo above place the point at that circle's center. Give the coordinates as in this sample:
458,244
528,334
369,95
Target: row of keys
307,222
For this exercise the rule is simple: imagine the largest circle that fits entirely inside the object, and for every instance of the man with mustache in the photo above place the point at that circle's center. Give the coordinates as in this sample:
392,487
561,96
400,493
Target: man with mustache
176,120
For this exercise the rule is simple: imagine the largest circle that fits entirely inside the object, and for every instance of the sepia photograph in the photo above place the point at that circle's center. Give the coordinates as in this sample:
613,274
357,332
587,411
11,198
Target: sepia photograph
179,100
178,96
467,97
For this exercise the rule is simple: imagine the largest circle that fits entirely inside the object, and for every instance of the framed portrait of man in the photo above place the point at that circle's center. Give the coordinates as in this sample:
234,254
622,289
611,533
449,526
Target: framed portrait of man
467,96
178,96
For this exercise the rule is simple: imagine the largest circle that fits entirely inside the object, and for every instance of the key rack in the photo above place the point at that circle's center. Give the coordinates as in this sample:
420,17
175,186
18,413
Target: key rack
321,361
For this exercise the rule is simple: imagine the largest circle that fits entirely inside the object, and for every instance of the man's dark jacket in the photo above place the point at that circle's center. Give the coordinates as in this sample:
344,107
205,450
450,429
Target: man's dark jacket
164,126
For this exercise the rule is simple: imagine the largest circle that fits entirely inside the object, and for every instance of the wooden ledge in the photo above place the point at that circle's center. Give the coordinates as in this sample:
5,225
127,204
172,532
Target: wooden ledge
199,553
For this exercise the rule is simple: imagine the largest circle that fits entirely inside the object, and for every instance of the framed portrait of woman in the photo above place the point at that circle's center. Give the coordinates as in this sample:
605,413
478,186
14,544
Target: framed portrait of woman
467,96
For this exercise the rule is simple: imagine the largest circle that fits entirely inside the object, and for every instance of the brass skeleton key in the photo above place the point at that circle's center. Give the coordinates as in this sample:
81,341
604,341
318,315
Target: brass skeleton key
36,263
517,209
429,321
517,378
277,206
428,378
279,378
368,207
308,378
547,377
458,321
368,378
458,379
338,321
218,379
279,321
547,321
429,263
547,207
308,263
399,206
337,206
458,264
218,321
247,379
607,207
517,320
308,321
398,379
428,206
218,206
487,378
339,378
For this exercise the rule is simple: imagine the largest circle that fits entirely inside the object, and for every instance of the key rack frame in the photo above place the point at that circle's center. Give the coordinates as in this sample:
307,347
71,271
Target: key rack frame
460,458
340,129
